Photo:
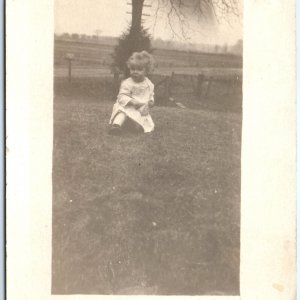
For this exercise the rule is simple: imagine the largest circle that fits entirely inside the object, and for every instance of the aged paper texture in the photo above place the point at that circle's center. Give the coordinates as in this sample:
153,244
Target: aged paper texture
268,154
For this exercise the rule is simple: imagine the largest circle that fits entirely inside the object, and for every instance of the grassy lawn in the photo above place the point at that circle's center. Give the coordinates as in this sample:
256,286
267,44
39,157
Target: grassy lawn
151,213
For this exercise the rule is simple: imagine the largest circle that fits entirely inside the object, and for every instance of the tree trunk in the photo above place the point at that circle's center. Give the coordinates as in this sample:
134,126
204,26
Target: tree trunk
137,10
136,26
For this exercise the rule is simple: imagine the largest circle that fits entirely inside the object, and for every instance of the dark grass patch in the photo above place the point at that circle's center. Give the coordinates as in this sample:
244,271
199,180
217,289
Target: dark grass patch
89,89
151,213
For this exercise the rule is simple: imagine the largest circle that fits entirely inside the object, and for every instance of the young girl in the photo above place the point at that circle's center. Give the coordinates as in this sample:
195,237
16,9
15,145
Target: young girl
136,95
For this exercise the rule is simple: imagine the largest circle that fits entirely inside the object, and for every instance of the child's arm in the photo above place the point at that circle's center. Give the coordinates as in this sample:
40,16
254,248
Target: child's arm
151,98
144,110
125,98
135,103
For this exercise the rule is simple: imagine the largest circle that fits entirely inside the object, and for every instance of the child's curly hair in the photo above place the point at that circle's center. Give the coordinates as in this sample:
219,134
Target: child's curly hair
142,58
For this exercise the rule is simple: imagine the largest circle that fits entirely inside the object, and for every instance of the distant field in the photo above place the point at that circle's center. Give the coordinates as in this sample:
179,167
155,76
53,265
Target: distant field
94,55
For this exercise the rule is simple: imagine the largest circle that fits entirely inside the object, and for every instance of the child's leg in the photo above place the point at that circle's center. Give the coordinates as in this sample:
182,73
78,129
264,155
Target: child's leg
119,119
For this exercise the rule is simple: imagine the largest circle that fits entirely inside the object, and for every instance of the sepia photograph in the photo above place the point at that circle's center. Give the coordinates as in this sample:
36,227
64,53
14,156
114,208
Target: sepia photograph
147,115
150,149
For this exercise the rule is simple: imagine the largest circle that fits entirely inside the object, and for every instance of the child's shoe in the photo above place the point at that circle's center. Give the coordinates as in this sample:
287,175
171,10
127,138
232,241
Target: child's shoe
115,129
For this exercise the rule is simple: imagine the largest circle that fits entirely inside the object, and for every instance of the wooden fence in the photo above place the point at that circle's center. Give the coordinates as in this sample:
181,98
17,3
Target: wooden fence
199,85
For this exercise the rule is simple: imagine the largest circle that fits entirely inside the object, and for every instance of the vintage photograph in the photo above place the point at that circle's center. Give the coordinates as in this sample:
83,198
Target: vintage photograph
147,129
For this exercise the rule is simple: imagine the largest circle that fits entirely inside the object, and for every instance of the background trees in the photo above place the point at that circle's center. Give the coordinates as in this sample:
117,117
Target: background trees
178,14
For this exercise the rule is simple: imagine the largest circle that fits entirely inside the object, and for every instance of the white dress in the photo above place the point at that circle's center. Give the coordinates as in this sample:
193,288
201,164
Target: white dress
140,91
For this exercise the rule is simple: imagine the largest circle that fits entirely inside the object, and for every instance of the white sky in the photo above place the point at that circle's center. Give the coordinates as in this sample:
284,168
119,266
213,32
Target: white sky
109,17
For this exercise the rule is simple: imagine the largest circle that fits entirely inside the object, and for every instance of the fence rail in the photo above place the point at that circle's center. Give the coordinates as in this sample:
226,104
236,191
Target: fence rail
171,83
200,85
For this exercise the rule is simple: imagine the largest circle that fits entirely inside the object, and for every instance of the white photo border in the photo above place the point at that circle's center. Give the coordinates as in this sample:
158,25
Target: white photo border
268,218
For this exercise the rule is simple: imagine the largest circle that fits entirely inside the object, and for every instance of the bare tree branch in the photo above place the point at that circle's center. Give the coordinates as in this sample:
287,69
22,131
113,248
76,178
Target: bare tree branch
178,13
156,14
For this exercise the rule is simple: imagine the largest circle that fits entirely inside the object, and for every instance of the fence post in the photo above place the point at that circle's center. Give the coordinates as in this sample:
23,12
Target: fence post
200,79
116,84
70,70
208,86
69,57
168,86
167,83
229,86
